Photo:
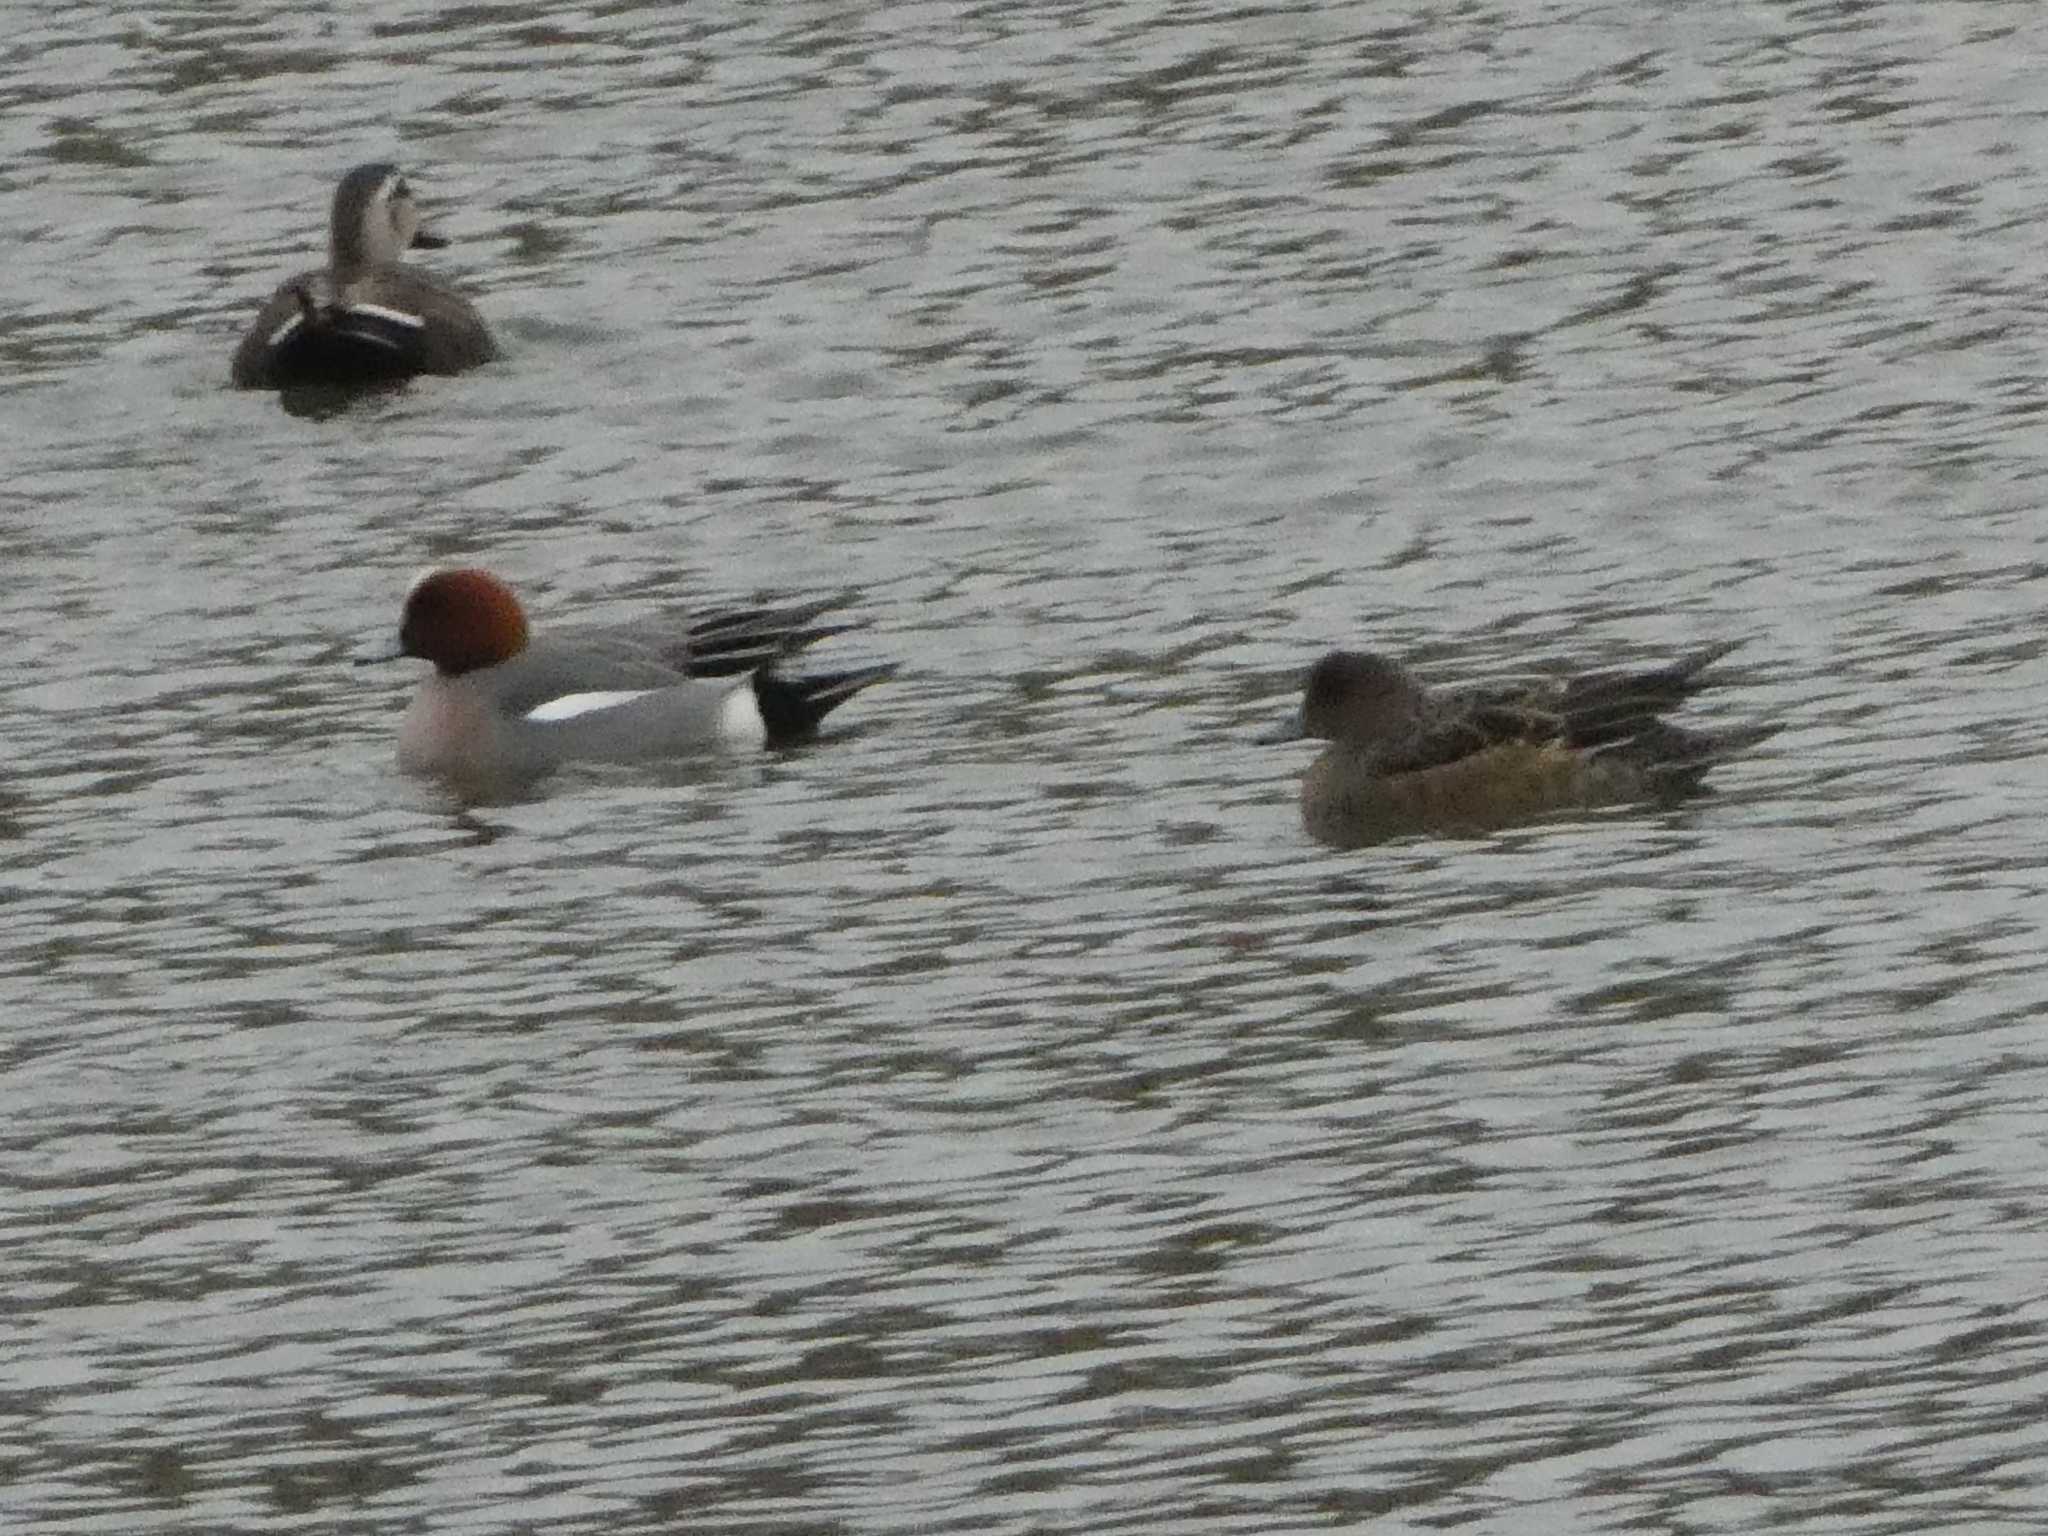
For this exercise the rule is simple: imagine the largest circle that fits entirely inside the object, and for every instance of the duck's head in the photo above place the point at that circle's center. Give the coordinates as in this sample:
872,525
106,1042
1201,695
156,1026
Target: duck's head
375,219
461,620
1355,696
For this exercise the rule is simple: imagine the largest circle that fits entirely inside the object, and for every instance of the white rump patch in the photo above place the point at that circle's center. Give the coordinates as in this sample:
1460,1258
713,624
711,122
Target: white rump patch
739,720
570,705
395,316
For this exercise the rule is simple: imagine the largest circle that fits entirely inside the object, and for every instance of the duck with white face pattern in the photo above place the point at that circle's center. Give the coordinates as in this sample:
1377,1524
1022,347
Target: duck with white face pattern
366,317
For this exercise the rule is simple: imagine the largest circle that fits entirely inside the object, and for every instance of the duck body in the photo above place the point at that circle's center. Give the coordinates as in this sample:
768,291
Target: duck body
503,709
1404,759
366,317
412,323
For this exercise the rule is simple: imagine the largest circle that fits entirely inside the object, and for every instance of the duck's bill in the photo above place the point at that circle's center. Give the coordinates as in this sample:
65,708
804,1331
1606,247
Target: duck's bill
380,658
1287,730
427,240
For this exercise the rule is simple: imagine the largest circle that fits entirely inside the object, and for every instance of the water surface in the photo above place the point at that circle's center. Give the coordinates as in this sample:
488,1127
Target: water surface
1001,1118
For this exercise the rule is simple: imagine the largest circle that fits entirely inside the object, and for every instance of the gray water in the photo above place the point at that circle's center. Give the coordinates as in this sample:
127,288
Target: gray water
1001,1118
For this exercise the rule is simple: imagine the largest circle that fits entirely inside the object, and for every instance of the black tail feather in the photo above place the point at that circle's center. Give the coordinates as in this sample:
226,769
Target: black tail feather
791,707
742,639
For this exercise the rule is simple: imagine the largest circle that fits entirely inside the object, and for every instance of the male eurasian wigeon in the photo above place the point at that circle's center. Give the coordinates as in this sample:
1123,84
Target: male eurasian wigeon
365,316
504,707
1405,758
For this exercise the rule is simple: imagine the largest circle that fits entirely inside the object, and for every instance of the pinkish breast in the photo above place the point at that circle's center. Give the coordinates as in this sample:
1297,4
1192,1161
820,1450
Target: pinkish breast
449,731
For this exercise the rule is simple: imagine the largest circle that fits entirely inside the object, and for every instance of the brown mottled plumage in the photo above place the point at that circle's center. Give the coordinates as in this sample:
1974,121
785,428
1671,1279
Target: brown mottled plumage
1404,758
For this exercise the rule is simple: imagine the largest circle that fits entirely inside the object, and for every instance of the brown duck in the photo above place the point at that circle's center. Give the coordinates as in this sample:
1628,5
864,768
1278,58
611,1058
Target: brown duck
1405,758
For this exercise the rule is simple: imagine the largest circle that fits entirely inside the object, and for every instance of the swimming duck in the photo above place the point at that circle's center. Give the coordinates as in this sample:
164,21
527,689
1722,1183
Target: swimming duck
365,316
1406,758
504,707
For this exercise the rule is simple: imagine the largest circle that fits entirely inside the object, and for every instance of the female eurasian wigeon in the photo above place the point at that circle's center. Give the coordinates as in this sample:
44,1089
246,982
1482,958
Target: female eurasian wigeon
504,707
365,316
1405,758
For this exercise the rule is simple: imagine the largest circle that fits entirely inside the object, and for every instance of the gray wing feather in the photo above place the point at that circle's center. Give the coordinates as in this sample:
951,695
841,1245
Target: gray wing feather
591,662
453,339
667,722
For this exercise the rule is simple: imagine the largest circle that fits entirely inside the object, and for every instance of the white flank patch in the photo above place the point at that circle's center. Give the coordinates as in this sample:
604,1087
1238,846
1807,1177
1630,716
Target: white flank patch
395,316
739,720
278,336
570,705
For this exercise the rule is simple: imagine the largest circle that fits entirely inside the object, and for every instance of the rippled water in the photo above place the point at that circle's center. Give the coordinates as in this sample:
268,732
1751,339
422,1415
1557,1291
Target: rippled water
1001,1118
